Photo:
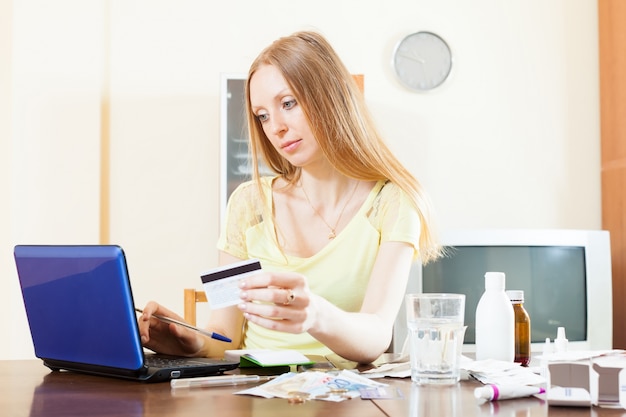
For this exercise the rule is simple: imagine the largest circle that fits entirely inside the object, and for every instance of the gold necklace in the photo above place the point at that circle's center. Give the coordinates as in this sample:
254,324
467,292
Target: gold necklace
333,230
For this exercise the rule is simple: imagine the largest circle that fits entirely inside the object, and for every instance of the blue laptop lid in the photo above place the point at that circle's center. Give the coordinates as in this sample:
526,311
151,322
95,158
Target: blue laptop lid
79,304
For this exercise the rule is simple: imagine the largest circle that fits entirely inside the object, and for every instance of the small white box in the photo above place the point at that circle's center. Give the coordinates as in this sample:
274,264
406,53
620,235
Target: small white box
603,377
609,373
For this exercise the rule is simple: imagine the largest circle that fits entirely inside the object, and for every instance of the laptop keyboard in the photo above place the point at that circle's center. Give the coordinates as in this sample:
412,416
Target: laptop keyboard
160,361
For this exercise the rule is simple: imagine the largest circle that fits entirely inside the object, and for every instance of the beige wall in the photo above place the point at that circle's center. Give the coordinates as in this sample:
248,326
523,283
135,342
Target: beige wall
9,291
510,140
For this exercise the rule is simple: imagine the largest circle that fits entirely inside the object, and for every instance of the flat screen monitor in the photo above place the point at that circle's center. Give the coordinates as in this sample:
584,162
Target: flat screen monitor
565,275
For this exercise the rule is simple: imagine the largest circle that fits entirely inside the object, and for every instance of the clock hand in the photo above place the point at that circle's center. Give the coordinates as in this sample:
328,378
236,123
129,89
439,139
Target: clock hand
414,58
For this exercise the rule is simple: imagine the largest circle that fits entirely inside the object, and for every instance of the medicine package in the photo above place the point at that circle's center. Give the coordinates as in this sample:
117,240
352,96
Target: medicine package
221,284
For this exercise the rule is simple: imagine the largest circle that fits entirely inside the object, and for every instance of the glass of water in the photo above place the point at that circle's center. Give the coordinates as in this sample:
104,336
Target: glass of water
436,330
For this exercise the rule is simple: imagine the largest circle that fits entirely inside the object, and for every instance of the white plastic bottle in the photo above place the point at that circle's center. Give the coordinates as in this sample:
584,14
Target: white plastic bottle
495,321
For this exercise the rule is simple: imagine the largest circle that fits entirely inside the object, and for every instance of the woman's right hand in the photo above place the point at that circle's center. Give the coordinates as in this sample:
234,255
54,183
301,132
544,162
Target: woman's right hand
169,338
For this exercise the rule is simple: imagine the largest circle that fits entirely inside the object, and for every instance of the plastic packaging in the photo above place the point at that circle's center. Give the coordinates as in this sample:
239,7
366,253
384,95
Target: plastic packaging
547,347
522,327
495,321
545,361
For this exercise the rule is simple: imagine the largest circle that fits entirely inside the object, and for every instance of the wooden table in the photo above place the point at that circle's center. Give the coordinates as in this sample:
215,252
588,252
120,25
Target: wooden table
459,401
27,388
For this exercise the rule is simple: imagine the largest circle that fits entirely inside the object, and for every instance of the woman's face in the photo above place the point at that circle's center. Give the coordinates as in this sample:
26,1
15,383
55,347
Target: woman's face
282,117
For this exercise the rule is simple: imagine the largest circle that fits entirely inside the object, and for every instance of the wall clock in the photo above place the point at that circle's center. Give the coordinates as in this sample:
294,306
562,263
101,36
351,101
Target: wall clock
422,61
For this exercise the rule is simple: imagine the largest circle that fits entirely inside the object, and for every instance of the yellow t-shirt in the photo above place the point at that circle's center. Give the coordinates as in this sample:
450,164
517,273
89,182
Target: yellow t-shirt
339,272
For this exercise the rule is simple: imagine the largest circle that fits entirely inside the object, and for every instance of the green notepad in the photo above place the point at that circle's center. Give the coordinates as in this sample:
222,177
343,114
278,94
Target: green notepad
269,358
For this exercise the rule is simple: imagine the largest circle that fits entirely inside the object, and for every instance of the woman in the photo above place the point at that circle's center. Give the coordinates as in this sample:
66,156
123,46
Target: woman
336,229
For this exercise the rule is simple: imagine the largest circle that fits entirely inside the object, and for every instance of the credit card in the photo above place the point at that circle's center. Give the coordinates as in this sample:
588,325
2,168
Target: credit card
221,284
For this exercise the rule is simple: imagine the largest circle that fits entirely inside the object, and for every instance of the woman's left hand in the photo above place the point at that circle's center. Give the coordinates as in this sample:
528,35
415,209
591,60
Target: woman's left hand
279,301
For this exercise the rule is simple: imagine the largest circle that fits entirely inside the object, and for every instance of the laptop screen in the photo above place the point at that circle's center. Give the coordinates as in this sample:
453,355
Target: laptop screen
79,304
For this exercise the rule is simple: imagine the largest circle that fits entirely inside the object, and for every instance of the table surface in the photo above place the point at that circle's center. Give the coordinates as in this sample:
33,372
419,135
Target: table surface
28,388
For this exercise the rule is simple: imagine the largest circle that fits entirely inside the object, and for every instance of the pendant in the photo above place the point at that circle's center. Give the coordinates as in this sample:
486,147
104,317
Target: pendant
331,235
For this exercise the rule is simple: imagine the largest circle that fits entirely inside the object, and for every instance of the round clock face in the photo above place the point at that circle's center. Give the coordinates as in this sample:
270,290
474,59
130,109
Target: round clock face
422,61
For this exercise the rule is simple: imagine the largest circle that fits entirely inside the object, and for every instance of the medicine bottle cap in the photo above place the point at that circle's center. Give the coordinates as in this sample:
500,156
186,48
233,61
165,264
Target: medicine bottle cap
560,343
516,295
494,281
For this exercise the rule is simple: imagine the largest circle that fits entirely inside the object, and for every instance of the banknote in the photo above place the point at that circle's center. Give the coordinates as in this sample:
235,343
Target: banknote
315,385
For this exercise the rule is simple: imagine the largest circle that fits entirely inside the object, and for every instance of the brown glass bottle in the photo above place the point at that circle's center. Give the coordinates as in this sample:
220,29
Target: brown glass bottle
522,328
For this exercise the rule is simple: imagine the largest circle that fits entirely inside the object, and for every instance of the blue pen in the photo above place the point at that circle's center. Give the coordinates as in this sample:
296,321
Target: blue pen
212,335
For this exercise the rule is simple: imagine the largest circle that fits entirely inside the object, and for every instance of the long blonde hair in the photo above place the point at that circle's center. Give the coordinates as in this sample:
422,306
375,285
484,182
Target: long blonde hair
340,121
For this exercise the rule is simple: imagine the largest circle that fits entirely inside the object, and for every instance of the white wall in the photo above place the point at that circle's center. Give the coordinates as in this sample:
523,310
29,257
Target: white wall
510,140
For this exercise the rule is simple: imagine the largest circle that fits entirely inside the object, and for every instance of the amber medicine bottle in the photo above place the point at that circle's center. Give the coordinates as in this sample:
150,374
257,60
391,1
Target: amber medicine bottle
522,327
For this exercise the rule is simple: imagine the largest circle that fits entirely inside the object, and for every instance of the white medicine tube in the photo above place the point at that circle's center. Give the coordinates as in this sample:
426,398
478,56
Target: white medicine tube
494,392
